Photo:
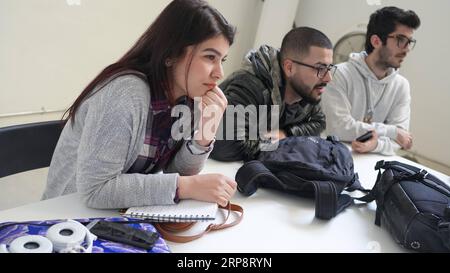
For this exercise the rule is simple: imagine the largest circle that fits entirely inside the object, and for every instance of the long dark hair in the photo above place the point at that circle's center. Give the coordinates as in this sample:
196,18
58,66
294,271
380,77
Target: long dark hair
181,24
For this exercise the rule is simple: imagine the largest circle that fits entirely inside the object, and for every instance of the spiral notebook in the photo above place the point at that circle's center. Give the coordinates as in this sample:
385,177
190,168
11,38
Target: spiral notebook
185,211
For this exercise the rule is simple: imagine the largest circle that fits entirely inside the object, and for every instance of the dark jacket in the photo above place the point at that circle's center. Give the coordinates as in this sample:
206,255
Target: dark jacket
260,82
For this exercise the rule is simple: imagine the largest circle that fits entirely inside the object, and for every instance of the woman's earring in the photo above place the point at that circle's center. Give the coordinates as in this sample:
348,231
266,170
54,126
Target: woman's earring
169,63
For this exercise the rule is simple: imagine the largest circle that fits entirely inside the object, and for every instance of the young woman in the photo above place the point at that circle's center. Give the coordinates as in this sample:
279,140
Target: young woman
117,137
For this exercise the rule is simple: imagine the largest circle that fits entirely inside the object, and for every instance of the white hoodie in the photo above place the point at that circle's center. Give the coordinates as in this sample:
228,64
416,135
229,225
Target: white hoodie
345,103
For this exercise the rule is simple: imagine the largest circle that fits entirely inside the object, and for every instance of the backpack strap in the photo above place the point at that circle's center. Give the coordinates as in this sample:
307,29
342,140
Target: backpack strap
253,173
328,202
356,185
375,193
444,232
371,195
326,199
380,188
168,230
444,227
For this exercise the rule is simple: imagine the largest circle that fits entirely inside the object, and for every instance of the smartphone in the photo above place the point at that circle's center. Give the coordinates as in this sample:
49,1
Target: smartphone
365,137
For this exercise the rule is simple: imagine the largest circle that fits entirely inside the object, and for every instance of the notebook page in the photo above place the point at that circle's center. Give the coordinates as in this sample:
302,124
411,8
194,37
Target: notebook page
187,209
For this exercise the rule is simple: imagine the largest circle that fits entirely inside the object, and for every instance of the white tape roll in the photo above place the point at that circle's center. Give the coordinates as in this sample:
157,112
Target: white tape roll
66,237
31,244
69,237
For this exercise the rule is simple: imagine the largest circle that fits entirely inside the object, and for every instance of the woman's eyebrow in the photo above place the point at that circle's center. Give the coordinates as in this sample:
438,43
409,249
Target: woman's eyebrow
215,51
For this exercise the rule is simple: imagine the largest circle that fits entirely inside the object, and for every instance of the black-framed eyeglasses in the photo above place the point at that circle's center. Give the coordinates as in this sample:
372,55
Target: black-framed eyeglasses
403,41
322,69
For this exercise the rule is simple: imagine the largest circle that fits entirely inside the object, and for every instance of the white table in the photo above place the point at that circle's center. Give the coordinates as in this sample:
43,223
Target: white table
273,221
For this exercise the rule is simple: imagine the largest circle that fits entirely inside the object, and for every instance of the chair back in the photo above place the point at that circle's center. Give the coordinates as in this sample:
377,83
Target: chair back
28,146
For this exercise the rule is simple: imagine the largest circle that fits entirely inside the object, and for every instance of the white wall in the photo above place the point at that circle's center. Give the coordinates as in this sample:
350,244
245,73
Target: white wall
277,18
426,67
245,14
50,50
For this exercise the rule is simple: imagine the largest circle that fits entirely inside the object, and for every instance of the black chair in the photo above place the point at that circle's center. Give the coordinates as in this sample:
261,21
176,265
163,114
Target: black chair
28,146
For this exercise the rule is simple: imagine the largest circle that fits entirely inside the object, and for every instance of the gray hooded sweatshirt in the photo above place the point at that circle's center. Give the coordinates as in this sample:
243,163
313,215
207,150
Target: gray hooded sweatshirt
355,93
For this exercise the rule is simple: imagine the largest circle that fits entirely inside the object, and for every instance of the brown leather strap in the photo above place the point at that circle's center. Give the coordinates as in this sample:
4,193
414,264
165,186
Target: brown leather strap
168,230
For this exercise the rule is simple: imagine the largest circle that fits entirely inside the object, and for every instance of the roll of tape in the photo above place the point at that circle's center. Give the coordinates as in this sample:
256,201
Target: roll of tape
66,235
31,244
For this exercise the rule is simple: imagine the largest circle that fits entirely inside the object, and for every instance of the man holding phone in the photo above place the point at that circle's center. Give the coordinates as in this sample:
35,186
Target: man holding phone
368,93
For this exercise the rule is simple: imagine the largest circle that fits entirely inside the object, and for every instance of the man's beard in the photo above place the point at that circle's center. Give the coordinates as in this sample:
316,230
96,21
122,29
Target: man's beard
384,62
306,93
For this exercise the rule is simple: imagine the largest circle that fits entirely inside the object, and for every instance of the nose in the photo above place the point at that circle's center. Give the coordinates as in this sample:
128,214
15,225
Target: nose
328,77
217,73
407,49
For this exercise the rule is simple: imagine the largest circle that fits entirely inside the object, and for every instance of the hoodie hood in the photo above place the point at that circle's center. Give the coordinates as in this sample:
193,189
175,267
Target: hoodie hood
264,64
359,62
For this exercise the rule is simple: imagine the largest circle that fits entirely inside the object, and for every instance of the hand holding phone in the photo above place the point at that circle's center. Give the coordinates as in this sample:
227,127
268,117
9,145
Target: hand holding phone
365,137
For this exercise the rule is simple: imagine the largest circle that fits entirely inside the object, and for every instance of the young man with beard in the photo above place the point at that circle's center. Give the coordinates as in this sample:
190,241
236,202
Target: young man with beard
292,78
368,93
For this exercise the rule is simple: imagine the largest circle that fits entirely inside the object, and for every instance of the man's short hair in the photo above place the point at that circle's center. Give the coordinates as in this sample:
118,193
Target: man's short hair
384,22
299,40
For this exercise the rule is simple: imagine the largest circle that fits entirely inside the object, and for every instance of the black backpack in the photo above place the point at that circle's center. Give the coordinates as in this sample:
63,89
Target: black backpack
413,205
305,166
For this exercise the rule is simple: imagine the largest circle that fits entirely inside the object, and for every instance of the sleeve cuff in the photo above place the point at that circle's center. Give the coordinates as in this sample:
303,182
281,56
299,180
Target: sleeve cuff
197,149
386,130
391,132
379,147
288,131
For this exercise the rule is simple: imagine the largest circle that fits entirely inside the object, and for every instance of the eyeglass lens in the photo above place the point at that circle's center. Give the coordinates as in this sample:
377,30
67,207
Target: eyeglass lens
322,71
403,42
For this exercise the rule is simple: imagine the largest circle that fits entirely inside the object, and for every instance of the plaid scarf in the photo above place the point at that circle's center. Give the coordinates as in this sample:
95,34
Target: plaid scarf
159,146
